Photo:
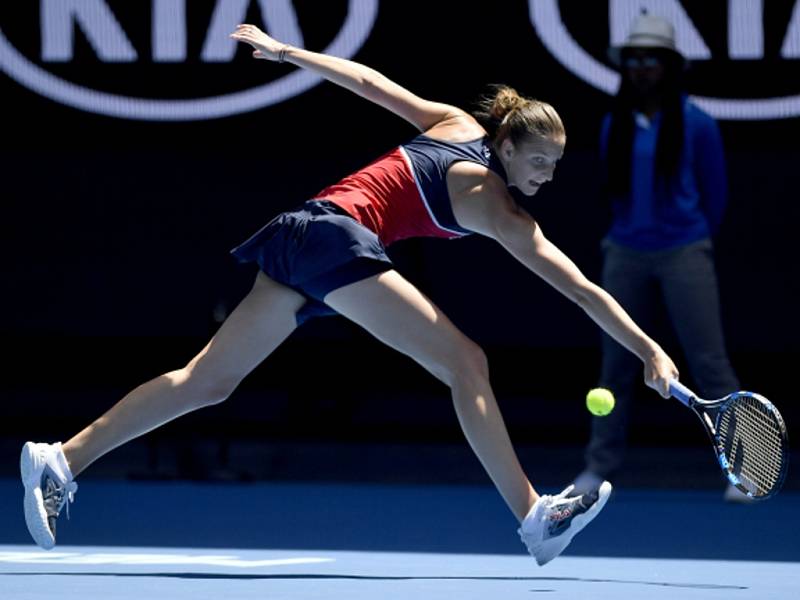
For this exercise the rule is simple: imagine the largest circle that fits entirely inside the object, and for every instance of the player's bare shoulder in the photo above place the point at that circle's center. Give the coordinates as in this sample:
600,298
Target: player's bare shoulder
479,197
474,180
458,126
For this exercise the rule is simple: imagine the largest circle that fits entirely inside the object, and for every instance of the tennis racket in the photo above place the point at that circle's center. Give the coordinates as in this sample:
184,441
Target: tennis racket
748,435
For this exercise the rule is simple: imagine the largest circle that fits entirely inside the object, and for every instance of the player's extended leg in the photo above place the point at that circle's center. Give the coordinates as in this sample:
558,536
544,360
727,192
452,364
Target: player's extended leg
264,318
398,314
395,312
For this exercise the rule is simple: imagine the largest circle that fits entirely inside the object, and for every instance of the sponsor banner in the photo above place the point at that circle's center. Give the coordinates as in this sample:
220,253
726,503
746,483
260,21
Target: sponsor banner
749,48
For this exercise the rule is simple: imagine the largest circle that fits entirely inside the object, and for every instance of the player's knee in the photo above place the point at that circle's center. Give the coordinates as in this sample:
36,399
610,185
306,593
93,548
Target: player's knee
468,365
204,389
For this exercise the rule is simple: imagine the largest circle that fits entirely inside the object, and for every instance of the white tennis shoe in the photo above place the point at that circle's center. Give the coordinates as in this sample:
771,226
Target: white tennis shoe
554,520
48,486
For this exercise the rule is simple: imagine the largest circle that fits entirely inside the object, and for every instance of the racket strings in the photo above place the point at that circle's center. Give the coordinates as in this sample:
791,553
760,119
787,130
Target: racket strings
752,438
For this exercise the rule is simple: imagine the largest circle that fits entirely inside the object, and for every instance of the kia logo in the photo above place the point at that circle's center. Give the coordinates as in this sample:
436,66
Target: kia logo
111,44
745,42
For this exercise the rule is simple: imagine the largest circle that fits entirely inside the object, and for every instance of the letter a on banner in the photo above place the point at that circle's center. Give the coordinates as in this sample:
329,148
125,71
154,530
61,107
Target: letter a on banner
279,19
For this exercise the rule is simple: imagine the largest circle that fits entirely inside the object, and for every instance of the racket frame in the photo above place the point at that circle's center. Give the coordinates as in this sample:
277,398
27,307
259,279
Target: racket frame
710,413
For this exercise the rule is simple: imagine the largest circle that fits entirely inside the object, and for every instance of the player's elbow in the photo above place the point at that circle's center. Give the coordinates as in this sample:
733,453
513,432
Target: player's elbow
369,85
373,86
586,294
581,297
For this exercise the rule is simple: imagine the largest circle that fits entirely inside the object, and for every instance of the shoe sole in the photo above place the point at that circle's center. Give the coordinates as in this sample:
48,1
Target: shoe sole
30,468
578,523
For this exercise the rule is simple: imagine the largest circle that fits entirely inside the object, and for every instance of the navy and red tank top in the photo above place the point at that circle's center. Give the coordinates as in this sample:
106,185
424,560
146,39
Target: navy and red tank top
404,193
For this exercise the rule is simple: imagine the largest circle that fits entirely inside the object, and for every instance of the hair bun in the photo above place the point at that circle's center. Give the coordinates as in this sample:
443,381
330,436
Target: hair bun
502,112
506,100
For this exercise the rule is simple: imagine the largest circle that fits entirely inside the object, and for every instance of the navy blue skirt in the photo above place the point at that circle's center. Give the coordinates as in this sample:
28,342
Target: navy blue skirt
314,250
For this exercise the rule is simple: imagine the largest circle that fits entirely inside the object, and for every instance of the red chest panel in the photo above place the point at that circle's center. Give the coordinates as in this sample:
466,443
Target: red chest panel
384,197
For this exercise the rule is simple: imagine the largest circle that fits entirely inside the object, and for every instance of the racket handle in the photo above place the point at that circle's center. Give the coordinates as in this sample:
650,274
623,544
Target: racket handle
681,392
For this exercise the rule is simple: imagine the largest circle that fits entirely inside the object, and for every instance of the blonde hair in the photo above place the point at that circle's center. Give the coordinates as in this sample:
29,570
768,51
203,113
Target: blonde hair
506,114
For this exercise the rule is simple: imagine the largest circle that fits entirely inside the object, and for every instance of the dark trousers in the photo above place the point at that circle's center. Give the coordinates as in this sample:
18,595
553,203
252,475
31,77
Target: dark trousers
685,281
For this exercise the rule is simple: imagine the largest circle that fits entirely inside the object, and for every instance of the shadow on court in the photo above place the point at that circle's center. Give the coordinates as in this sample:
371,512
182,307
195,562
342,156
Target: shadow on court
323,576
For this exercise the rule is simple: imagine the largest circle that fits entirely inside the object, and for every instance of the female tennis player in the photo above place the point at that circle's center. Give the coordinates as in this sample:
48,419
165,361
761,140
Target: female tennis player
329,255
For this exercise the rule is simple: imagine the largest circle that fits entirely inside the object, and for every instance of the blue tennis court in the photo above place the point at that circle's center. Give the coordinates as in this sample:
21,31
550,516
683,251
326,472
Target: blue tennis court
315,540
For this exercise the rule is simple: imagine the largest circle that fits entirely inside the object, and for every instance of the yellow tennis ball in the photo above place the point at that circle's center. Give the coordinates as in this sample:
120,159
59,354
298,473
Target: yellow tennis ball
600,401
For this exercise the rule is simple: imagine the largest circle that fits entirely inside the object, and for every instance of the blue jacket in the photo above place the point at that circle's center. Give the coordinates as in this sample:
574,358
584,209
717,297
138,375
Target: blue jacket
686,208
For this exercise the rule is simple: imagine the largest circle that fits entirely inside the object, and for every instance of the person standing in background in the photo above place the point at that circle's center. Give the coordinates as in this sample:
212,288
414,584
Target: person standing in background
665,178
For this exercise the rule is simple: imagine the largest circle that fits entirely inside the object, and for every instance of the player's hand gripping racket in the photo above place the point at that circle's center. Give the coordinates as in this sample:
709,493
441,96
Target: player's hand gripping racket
748,435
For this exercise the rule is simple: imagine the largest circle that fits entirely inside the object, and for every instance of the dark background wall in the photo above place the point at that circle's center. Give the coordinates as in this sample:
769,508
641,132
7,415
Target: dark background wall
116,232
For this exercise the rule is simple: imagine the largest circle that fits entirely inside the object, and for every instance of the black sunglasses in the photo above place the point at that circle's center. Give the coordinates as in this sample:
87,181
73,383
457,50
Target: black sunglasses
641,62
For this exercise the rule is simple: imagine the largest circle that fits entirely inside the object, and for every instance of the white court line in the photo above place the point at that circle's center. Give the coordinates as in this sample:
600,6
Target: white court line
138,558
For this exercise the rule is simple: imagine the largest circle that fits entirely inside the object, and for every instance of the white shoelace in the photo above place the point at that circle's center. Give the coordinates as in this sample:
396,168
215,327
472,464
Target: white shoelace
55,496
71,488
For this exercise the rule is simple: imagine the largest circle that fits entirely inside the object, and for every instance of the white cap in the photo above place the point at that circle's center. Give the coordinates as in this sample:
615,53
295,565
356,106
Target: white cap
648,31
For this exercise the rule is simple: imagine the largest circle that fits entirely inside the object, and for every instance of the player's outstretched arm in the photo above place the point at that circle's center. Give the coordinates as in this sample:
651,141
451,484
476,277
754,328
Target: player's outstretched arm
552,265
491,211
360,79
